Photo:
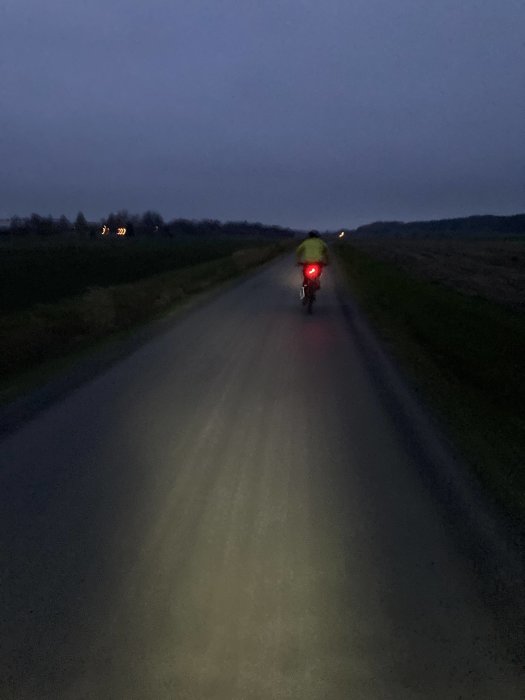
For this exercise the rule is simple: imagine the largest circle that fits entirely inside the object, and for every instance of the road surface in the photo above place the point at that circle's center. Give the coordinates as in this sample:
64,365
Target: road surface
231,513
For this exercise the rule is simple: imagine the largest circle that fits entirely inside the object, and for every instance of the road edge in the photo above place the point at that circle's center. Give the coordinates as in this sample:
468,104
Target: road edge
493,542
105,354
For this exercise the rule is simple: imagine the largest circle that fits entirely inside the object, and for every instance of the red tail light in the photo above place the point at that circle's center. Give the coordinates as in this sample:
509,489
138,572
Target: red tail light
312,271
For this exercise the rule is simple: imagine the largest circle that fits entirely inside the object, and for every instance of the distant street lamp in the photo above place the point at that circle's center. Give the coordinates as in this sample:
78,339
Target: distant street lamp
342,234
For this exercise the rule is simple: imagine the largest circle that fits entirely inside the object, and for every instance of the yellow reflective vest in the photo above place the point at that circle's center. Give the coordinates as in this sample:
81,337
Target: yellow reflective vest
312,250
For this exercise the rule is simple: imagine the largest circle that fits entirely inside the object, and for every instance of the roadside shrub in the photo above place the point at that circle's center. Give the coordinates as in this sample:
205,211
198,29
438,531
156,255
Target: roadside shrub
96,309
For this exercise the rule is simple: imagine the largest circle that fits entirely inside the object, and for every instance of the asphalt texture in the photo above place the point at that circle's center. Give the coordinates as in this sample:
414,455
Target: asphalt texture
232,512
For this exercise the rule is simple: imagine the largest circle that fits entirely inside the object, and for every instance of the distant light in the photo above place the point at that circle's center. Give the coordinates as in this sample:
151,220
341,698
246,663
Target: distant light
342,234
121,231
105,230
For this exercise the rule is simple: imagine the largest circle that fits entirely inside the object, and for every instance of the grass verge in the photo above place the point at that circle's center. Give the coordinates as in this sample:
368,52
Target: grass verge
465,354
57,269
45,334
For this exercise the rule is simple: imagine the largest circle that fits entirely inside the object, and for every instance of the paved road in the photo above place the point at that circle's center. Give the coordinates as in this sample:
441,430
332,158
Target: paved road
230,513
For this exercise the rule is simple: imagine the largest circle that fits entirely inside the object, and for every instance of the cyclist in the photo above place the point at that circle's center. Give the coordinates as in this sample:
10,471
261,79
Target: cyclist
312,250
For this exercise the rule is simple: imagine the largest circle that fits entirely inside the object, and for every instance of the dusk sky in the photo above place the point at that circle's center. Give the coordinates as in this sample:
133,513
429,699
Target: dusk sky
304,113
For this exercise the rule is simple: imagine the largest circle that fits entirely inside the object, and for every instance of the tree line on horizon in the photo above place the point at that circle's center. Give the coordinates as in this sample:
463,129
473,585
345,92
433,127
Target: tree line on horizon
149,224
479,225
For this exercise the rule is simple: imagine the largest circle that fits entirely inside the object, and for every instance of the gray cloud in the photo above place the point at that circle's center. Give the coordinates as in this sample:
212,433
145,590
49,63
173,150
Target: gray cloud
301,113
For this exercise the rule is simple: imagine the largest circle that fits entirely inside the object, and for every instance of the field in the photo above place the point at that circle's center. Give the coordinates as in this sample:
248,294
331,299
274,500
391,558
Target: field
453,315
59,298
44,272
490,269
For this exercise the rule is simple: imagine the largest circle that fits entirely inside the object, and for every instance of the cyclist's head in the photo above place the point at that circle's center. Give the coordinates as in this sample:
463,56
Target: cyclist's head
313,234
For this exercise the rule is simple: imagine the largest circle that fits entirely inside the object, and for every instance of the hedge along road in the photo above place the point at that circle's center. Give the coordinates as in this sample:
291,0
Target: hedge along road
231,512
